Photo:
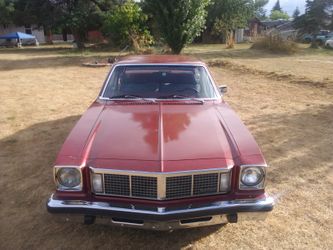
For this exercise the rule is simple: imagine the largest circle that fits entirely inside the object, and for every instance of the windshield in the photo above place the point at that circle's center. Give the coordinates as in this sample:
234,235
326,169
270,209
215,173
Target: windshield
158,81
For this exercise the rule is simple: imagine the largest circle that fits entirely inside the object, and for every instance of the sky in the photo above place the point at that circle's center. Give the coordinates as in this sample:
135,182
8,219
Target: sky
287,5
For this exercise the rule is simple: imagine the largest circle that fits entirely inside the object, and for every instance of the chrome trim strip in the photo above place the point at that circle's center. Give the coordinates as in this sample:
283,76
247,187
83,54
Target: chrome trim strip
161,187
161,180
217,93
156,174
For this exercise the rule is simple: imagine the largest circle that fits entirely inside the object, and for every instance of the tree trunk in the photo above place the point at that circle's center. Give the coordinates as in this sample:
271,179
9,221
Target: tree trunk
48,34
79,39
64,35
230,41
135,44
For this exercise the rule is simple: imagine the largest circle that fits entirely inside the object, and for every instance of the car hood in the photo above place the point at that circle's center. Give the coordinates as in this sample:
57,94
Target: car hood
162,137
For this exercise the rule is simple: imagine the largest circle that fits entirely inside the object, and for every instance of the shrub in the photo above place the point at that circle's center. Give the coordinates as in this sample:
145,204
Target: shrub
126,25
275,44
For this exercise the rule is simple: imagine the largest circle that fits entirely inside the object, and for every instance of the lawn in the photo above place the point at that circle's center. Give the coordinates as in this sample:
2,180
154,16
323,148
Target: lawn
286,101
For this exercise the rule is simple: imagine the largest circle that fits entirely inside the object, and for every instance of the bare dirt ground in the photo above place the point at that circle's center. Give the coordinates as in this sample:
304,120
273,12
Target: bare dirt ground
43,92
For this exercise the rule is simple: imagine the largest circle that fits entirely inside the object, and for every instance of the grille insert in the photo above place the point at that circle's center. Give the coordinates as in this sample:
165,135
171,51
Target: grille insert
143,186
117,184
178,186
205,184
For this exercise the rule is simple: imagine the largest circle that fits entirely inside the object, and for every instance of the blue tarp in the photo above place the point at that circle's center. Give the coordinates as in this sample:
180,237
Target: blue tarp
17,35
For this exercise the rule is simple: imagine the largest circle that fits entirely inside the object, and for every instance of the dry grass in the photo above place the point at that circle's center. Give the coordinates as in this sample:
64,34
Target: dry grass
275,44
312,64
43,93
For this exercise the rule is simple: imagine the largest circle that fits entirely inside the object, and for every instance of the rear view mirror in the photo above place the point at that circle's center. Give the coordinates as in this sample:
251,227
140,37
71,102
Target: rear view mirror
223,89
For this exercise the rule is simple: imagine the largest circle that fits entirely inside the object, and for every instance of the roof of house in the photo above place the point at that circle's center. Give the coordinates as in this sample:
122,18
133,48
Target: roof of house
161,59
274,23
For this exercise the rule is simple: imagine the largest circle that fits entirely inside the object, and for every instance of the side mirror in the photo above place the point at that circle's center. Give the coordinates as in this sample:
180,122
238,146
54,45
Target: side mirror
223,89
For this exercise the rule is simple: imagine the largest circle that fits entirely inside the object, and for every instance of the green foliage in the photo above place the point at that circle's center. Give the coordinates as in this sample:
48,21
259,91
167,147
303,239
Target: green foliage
316,18
6,11
179,21
78,16
228,15
126,25
38,12
276,15
276,44
260,12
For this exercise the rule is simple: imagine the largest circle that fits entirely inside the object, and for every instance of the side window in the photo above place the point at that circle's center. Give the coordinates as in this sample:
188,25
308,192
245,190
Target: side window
114,82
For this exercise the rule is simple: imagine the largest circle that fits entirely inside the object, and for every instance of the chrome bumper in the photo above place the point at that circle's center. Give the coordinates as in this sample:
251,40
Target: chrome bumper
161,218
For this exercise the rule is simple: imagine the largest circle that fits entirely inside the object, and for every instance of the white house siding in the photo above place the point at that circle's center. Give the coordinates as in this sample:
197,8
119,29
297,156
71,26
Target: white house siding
239,35
38,32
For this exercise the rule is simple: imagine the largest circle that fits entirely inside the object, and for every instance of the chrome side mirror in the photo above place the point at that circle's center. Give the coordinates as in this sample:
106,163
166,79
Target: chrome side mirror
223,89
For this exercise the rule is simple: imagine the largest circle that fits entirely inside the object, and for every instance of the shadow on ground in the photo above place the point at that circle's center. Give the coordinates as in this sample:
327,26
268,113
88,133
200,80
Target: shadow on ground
27,158
297,144
48,62
26,183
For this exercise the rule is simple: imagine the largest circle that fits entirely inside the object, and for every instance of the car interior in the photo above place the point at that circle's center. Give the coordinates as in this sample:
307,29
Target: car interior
160,83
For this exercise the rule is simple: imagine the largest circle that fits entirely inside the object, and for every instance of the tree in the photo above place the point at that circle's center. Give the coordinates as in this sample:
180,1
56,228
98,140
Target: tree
78,16
277,6
277,15
225,16
126,25
179,21
296,13
39,12
316,17
260,12
6,12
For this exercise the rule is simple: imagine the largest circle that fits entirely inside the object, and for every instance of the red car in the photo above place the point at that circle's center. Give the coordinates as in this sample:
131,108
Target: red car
160,149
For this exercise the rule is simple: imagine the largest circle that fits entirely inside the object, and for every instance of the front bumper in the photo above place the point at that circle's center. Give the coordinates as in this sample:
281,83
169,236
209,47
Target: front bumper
161,218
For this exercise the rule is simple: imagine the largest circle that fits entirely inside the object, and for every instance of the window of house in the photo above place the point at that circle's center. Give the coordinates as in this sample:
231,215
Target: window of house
28,29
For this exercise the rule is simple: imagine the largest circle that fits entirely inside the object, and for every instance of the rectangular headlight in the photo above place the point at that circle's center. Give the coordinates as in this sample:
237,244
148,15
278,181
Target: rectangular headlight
97,183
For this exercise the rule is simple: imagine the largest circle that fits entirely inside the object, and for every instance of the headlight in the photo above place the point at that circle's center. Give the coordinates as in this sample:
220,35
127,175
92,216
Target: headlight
68,178
252,177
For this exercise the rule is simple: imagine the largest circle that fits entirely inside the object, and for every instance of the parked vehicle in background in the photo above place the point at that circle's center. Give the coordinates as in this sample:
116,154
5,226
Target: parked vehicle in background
320,38
329,43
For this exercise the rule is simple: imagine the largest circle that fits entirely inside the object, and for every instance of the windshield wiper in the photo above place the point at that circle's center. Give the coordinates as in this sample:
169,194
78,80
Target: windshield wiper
133,97
125,97
182,97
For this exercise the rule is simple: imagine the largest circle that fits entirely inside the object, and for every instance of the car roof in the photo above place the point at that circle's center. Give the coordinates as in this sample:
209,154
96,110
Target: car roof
158,59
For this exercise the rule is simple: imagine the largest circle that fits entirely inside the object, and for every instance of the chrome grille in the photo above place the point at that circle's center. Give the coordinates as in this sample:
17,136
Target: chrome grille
160,186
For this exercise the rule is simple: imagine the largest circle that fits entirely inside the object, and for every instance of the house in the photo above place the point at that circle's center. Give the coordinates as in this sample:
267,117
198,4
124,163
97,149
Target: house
284,28
254,28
